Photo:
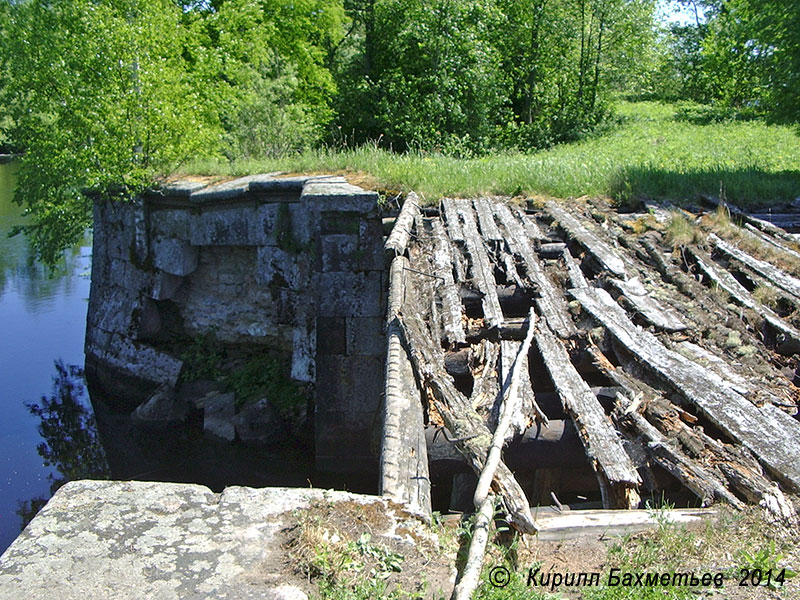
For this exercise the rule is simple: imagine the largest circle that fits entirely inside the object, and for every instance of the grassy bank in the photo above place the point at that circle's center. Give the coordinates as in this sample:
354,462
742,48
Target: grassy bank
652,153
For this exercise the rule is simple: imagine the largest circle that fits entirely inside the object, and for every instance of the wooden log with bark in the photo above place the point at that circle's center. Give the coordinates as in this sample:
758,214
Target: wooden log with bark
774,441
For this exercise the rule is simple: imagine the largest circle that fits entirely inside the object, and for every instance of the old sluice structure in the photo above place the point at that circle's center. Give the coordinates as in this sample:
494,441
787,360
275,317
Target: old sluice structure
651,374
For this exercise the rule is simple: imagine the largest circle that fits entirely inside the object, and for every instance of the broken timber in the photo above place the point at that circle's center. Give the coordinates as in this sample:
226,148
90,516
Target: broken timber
772,439
616,474
397,241
599,249
447,291
659,316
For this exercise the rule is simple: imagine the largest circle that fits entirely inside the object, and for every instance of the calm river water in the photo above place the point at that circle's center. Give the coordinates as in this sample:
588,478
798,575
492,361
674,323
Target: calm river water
42,320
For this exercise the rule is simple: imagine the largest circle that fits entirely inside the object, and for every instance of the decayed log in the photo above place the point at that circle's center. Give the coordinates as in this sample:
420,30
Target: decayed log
656,314
454,229
447,290
772,273
774,443
740,295
551,249
471,435
510,268
482,271
551,303
528,410
782,220
600,250
742,473
574,272
762,225
754,232
486,386
484,502
397,241
489,230
704,484
615,472
532,228
397,288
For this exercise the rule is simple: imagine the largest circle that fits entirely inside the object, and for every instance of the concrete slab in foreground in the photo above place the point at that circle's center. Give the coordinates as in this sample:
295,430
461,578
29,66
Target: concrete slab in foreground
105,539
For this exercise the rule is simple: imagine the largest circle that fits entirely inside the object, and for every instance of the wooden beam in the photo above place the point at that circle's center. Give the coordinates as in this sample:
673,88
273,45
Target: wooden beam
615,470
662,317
482,270
397,241
451,217
550,303
772,273
774,441
446,288
599,249
489,230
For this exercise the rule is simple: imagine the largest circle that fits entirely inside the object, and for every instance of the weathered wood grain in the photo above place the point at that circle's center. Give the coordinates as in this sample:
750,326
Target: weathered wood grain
616,473
397,241
446,288
489,230
599,249
660,316
451,217
481,266
550,303
773,442
574,272
775,275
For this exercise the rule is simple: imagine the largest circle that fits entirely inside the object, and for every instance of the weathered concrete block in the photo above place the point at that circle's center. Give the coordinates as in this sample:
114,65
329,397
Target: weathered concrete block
349,383
228,190
218,415
164,286
259,424
340,252
113,310
174,256
340,196
141,361
229,226
280,269
351,295
370,245
331,335
170,223
365,336
161,410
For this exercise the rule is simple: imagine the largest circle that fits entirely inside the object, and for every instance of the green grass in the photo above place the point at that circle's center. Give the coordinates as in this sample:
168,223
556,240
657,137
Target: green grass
651,154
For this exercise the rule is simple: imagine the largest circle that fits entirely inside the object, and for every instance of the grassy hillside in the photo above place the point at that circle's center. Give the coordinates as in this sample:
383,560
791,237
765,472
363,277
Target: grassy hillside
652,153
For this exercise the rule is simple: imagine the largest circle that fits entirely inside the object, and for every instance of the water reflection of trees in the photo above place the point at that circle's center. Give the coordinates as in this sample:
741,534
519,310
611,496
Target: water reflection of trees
69,435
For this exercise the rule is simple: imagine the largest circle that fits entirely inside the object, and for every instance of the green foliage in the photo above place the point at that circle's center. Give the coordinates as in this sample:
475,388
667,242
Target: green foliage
266,375
203,357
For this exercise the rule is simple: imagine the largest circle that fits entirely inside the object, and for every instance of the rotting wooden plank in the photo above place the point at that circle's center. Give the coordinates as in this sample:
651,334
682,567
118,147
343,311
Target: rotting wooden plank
770,240
528,410
774,444
600,250
489,230
397,288
734,464
481,266
615,470
510,268
397,241
486,384
740,295
772,273
764,226
468,428
447,290
532,227
454,229
656,314
556,526
574,272
551,303
703,483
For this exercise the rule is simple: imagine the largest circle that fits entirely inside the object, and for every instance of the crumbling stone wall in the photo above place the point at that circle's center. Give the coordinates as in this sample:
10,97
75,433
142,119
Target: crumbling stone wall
288,263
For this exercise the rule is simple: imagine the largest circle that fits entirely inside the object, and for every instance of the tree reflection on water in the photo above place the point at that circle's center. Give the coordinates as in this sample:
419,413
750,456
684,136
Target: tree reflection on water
69,433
